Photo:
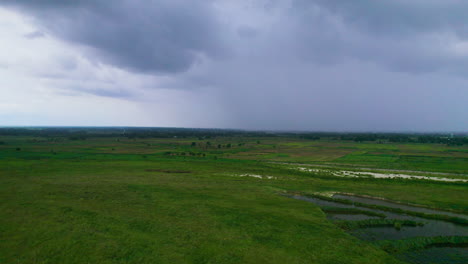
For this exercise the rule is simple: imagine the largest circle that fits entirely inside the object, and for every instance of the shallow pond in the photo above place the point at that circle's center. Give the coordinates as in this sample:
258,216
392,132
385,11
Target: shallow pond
431,228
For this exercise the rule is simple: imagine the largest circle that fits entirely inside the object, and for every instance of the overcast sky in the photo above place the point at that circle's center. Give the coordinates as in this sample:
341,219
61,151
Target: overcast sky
322,65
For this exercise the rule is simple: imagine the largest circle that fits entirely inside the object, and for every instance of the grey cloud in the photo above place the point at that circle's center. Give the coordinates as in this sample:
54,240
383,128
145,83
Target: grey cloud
53,75
97,88
247,32
317,65
106,93
399,17
349,96
164,36
406,36
35,35
157,36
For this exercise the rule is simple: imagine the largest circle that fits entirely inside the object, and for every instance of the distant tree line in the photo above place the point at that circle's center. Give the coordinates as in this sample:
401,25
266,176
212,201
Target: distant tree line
194,154
436,138
82,133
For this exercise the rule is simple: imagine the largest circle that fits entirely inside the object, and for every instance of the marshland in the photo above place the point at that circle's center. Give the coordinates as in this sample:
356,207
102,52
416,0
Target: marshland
105,195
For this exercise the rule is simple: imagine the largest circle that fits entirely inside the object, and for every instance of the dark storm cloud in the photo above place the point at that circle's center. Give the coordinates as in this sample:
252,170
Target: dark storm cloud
406,36
144,36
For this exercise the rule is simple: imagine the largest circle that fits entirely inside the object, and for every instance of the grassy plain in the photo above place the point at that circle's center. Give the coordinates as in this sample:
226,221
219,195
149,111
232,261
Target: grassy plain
120,200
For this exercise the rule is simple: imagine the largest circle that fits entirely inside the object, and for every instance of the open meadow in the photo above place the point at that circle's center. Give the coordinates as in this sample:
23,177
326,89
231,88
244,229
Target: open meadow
222,198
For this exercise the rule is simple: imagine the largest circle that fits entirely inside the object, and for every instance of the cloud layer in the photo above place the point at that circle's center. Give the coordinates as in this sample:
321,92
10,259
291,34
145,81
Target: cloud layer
260,64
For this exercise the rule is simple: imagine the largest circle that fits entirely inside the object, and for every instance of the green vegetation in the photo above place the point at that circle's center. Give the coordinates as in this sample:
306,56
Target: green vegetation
397,224
416,243
82,195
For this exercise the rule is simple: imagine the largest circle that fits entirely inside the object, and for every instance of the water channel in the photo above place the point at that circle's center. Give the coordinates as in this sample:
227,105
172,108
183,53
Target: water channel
439,254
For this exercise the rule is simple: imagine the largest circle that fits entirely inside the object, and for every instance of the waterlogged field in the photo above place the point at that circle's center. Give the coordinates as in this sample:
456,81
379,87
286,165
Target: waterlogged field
221,200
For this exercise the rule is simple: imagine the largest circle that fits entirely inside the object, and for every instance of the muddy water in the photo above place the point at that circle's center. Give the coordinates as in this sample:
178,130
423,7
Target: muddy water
439,255
397,205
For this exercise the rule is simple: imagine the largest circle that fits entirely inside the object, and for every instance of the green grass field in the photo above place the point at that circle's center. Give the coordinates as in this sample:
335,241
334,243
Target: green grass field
119,200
